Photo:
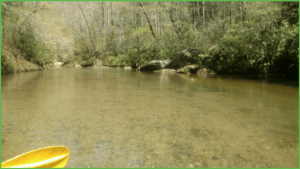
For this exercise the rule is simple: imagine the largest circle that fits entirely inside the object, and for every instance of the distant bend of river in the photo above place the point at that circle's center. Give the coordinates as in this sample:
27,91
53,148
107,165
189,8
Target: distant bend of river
124,118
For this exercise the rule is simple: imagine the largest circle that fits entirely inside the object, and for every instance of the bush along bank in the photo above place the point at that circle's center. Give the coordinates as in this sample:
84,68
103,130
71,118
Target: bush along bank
13,61
89,59
272,52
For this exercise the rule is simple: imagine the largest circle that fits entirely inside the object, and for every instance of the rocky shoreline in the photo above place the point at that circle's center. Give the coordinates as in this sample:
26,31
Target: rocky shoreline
183,62
186,62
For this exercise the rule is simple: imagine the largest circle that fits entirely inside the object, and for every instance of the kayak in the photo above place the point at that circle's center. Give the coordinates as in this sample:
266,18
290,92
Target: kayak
49,157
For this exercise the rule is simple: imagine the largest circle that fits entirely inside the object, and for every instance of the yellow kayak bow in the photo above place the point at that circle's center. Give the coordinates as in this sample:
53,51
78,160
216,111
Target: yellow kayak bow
49,157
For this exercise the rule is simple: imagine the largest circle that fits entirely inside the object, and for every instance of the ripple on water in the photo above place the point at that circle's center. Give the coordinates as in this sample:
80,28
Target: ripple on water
149,120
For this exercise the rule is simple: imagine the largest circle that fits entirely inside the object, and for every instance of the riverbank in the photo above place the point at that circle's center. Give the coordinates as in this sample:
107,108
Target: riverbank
12,61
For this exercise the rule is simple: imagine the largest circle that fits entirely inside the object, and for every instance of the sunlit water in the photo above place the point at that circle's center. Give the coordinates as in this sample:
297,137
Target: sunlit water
124,118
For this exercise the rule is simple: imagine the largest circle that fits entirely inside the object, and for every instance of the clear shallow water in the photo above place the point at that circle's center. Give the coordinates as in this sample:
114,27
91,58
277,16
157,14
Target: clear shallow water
123,118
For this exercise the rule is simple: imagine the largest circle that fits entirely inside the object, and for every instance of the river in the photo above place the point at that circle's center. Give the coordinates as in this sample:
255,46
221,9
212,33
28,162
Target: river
125,118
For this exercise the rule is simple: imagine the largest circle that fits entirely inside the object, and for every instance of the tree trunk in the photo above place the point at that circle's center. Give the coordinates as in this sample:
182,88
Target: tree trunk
122,38
156,20
81,38
103,17
107,14
172,20
135,16
198,12
194,14
203,9
224,11
150,26
241,11
160,25
244,11
111,15
88,27
230,14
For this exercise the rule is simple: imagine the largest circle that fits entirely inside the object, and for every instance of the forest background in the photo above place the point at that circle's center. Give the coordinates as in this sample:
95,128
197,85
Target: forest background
240,37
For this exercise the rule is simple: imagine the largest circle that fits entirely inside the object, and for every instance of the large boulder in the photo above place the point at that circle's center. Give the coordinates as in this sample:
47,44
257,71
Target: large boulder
78,66
189,69
186,57
154,65
128,67
58,64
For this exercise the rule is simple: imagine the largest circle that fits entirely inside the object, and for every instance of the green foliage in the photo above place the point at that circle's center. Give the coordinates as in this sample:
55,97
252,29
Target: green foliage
87,62
286,64
9,19
67,60
44,55
292,16
257,52
134,58
141,31
119,60
253,38
34,49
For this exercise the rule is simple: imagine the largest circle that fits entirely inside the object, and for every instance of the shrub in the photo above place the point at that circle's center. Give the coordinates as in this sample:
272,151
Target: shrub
256,52
119,60
33,49
88,62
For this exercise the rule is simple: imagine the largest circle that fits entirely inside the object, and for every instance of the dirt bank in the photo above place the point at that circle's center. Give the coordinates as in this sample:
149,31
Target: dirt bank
13,61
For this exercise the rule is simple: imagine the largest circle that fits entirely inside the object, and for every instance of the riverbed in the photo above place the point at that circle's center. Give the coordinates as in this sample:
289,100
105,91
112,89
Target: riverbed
126,118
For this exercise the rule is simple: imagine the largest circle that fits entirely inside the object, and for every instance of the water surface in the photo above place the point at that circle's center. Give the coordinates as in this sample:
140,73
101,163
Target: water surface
124,118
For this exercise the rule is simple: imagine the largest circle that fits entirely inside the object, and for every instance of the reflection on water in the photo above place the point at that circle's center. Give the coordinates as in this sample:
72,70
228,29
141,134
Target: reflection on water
123,118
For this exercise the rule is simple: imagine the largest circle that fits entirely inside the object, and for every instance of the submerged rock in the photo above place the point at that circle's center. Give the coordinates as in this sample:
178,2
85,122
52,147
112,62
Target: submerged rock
189,69
205,71
165,70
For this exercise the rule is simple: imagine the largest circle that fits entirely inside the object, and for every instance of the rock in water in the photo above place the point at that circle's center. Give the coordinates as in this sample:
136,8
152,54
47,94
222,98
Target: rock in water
205,71
58,64
186,57
189,69
154,65
128,67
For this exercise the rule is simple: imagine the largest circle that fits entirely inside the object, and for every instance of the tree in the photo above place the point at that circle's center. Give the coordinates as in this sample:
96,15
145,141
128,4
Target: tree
175,26
203,9
87,24
150,25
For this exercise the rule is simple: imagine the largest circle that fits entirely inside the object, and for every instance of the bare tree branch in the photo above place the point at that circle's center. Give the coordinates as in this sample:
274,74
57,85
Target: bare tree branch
172,20
88,27
153,34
